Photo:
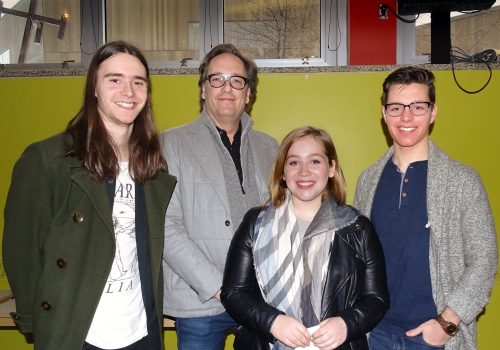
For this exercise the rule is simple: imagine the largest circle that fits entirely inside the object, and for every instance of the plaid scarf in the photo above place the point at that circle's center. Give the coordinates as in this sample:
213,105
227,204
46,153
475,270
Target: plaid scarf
291,265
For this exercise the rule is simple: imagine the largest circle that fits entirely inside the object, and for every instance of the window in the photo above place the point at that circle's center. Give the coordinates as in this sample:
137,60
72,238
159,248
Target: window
273,32
5,57
178,33
52,35
274,29
164,30
472,32
9,4
285,33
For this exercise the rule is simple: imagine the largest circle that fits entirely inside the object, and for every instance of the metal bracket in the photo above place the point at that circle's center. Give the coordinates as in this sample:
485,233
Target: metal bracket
185,60
65,64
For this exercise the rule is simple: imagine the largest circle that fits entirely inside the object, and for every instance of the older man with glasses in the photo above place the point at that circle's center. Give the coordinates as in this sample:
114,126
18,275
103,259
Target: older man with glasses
434,222
222,165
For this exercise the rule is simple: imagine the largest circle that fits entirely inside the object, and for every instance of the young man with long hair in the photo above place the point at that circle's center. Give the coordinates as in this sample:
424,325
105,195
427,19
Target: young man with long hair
84,218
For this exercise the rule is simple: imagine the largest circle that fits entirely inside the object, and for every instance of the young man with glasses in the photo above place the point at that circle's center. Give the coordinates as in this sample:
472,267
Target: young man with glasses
222,165
435,225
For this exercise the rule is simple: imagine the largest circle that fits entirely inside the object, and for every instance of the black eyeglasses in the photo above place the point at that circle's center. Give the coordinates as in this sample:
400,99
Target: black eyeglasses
236,81
416,108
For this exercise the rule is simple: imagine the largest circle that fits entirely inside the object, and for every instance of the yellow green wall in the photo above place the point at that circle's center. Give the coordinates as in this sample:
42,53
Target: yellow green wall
346,104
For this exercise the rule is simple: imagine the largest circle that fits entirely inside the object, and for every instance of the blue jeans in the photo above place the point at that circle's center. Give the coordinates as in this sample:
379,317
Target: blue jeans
381,340
203,333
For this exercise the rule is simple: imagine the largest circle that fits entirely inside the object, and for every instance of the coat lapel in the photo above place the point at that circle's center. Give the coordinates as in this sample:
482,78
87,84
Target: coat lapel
205,151
158,193
96,193
259,164
342,252
436,187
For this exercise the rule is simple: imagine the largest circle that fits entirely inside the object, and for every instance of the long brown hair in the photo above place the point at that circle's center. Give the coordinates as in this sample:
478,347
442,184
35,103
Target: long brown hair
91,143
336,186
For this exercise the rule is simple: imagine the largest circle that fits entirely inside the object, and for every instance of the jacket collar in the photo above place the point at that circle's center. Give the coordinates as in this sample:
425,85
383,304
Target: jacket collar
205,120
203,133
96,192
331,217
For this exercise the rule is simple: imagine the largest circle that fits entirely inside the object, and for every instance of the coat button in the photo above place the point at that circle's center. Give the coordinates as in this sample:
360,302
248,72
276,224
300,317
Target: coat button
77,217
227,223
359,227
61,263
15,316
46,305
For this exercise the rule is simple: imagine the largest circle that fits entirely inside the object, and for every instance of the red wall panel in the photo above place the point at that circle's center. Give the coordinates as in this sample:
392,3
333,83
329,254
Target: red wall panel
371,40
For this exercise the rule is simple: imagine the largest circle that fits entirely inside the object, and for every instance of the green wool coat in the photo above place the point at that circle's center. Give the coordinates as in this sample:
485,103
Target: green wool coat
59,243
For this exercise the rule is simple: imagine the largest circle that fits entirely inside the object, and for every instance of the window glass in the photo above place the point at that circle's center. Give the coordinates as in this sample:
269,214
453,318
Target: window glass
164,30
48,39
174,33
471,32
274,29
5,57
9,4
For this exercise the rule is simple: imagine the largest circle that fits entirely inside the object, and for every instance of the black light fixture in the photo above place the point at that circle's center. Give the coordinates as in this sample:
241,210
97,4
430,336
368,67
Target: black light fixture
62,26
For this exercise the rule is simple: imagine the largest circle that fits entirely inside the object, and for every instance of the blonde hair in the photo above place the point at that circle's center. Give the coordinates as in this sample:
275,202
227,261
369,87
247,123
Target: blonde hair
335,187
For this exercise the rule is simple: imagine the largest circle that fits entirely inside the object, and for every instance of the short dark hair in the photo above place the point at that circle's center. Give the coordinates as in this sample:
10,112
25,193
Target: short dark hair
408,75
91,143
250,70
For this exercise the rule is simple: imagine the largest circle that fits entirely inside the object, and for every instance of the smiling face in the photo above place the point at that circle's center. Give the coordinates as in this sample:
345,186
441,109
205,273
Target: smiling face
121,90
408,132
225,104
307,171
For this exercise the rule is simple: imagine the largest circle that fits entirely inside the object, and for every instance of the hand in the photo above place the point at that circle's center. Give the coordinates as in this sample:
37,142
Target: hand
432,333
290,332
331,334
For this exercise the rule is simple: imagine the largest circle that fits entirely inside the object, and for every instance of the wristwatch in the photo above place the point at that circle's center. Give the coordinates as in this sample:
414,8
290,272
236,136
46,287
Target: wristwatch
448,327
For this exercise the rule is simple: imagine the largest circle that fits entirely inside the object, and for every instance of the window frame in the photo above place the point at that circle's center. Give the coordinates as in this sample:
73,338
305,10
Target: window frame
337,57
333,16
406,43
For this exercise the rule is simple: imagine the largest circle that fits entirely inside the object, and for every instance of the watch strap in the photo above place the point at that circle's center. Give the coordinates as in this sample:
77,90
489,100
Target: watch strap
448,327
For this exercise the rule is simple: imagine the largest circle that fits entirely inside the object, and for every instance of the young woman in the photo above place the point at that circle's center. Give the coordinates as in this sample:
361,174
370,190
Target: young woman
84,218
305,270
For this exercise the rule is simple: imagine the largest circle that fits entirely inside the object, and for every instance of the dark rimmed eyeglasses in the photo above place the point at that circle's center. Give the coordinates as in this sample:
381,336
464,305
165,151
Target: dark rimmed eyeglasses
236,81
416,108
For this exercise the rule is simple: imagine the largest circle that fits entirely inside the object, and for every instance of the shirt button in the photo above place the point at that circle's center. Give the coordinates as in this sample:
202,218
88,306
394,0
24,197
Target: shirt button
46,305
61,263
77,217
403,194
227,223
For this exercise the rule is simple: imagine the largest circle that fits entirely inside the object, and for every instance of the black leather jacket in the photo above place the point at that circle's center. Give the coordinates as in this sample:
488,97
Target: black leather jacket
355,287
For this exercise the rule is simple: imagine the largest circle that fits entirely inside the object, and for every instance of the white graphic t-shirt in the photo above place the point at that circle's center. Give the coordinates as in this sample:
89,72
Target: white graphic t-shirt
120,318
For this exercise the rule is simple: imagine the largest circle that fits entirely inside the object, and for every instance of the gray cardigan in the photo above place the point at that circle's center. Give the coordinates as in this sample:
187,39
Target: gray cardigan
198,226
463,247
